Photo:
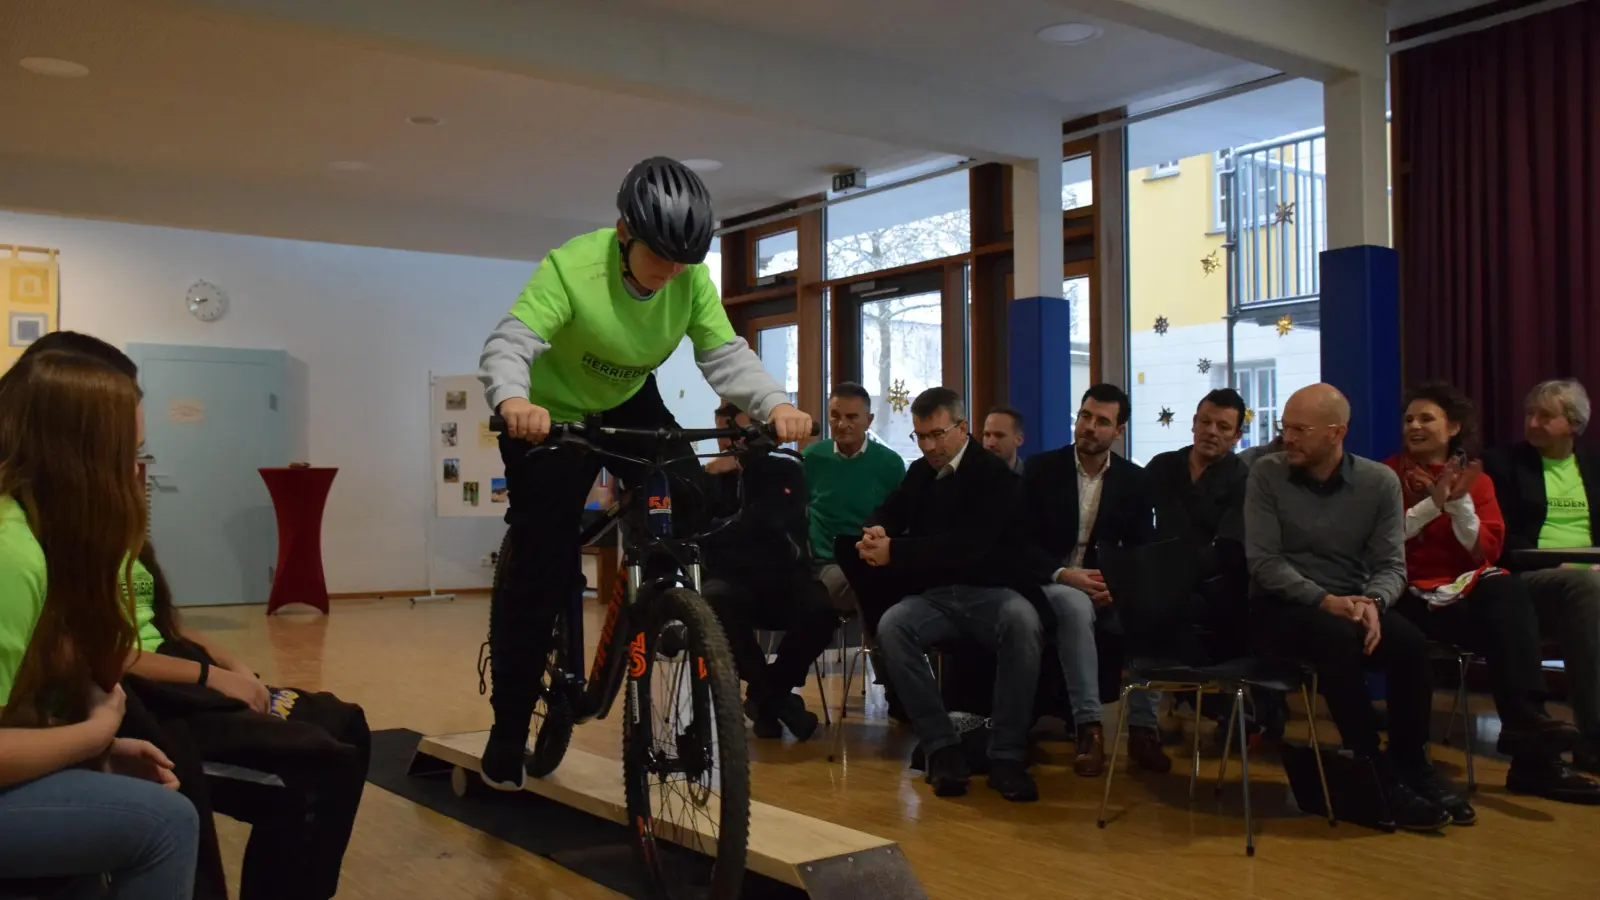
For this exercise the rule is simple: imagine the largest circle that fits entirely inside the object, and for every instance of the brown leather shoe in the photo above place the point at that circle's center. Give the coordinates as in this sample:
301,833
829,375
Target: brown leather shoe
1144,748
1091,759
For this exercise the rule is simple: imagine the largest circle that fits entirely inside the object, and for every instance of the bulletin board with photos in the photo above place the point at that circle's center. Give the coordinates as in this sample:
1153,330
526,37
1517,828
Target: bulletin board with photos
469,477
29,297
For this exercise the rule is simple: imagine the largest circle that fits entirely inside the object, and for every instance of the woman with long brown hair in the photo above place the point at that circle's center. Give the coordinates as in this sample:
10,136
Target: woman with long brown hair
72,519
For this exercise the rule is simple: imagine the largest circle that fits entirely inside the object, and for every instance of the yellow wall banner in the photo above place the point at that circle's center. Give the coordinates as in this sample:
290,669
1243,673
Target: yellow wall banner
30,300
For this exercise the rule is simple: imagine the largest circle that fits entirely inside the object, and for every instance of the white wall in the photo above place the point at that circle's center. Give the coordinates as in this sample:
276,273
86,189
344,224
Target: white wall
363,326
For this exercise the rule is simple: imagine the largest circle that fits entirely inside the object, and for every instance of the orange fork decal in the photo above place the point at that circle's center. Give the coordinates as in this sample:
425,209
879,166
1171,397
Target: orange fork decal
613,612
636,657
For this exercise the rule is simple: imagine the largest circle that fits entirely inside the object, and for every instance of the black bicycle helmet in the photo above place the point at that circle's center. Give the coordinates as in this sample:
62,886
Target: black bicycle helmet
667,207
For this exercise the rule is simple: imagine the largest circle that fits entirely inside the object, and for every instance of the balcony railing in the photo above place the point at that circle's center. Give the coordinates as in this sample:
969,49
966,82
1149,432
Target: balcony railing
1272,206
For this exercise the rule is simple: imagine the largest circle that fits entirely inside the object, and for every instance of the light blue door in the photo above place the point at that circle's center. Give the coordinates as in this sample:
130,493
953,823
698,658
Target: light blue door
212,418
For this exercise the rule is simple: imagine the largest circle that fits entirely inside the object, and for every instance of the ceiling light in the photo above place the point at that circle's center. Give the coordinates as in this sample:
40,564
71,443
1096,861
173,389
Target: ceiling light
703,165
424,120
56,68
1068,33
347,165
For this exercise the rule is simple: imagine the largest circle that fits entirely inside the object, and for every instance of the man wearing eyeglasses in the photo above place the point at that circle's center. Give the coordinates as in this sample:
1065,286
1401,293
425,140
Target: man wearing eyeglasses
949,534
1325,545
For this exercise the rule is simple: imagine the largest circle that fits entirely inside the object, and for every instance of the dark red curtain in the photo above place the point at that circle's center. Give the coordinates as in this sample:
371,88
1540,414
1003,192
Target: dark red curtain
1497,207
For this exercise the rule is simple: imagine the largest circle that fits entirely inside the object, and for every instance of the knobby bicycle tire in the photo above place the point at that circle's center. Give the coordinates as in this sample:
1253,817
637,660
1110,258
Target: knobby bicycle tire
551,731
714,692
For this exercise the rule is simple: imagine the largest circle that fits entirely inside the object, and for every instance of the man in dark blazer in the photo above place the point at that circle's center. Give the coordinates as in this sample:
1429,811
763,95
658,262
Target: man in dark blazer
1549,492
1075,500
949,532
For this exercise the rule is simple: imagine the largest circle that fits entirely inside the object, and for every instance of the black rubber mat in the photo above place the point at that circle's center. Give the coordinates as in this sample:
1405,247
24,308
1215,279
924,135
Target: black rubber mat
597,849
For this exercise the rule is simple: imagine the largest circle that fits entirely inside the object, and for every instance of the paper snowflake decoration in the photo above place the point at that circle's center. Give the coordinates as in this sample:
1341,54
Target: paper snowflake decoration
1285,324
1209,263
1284,215
899,396
1165,418
1162,325
1249,416
1204,366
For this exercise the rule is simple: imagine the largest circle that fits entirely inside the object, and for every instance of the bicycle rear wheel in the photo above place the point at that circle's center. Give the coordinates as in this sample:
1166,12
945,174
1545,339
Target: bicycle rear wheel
550,730
685,762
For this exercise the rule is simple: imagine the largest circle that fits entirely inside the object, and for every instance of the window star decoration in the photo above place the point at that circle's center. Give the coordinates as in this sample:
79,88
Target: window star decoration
1249,416
1204,366
1165,418
1285,324
1284,215
1209,263
899,396
1162,325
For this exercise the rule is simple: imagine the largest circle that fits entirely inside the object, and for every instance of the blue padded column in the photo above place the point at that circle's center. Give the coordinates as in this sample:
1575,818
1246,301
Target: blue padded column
1039,336
1361,343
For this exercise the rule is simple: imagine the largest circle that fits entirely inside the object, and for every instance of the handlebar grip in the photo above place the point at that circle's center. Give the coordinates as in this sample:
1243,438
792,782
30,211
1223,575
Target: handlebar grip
497,424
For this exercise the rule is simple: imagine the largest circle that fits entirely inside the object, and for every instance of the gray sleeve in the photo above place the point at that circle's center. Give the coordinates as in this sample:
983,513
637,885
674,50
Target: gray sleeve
1270,573
735,372
1386,545
503,368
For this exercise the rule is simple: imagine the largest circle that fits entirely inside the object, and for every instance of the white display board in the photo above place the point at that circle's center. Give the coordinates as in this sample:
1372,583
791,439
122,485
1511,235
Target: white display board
468,477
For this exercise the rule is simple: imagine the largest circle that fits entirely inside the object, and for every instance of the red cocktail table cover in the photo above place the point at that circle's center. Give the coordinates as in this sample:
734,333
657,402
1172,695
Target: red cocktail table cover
299,496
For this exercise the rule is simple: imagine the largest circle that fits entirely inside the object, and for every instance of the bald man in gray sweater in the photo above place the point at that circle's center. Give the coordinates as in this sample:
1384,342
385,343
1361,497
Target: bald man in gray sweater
1325,542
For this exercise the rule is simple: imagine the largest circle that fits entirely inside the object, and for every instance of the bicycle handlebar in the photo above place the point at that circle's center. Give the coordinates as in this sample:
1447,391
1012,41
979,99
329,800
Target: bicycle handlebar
565,430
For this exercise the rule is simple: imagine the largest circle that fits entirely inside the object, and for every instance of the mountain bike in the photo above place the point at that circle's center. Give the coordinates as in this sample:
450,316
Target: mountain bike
684,756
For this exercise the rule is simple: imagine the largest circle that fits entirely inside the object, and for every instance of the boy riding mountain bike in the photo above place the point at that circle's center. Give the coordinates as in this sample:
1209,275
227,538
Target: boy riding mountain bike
600,314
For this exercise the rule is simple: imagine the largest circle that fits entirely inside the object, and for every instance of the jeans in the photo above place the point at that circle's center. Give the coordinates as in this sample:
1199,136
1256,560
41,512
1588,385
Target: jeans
1080,659
78,823
999,619
1568,602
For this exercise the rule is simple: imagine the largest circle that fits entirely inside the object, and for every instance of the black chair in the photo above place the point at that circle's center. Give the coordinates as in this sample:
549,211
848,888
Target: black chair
1151,588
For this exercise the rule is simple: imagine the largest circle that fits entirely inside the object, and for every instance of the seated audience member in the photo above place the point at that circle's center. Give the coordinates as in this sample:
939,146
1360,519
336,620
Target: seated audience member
949,530
758,574
199,704
848,477
1077,499
1002,435
1249,455
76,802
1550,493
1325,541
1456,593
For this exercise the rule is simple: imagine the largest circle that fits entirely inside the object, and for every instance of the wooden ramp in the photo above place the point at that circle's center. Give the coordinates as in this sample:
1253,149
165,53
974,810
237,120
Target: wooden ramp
827,861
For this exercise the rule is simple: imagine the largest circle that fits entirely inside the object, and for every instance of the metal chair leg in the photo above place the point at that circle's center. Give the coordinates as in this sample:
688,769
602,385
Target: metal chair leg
1194,769
844,708
1468,725
822,692
1244,775
1116,748
1227,745
1310,699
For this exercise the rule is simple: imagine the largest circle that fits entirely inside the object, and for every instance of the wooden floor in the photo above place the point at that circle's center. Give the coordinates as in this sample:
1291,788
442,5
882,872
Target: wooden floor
415,667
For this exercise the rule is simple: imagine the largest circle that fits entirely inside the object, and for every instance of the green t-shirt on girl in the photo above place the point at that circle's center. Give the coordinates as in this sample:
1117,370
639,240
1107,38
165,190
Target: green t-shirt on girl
603,342
22,590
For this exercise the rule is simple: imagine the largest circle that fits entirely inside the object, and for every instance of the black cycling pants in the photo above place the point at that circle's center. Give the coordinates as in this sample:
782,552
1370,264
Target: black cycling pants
547,493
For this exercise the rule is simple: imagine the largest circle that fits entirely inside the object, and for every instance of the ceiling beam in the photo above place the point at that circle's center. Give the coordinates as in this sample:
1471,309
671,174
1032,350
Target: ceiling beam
675,58
1318,39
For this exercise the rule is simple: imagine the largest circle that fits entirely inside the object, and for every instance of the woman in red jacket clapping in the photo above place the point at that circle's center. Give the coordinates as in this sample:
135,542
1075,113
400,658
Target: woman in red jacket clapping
1454,534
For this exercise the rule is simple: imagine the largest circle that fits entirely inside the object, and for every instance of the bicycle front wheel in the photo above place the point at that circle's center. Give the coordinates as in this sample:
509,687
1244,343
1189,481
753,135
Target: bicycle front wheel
684,759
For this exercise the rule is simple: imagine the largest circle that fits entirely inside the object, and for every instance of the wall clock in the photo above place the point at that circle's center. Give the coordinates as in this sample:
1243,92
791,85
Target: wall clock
206,301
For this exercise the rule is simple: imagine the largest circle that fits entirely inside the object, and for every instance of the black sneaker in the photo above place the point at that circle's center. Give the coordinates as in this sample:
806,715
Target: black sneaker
1552,779
948,771
504,762
790,708
764,724
1010,779
1426,781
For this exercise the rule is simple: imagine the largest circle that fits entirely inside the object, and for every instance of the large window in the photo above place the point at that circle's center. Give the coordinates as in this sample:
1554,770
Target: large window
1076,292
918,222
1077,182
779,349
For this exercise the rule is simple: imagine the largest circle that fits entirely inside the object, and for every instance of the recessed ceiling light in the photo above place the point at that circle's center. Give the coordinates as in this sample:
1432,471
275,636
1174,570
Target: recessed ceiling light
703,165
1067,33
56,68
424,120
347,165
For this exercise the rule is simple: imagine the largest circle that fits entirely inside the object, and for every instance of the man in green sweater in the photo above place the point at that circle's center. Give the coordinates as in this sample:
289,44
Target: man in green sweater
847,477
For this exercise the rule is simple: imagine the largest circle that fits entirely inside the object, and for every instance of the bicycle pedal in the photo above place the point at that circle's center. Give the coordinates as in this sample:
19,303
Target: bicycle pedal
673,641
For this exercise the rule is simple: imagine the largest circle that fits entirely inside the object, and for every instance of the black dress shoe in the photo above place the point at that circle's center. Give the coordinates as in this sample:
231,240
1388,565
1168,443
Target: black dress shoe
790,708
948,771
1426,781
1010,779
764,723
1544,736
1551,779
